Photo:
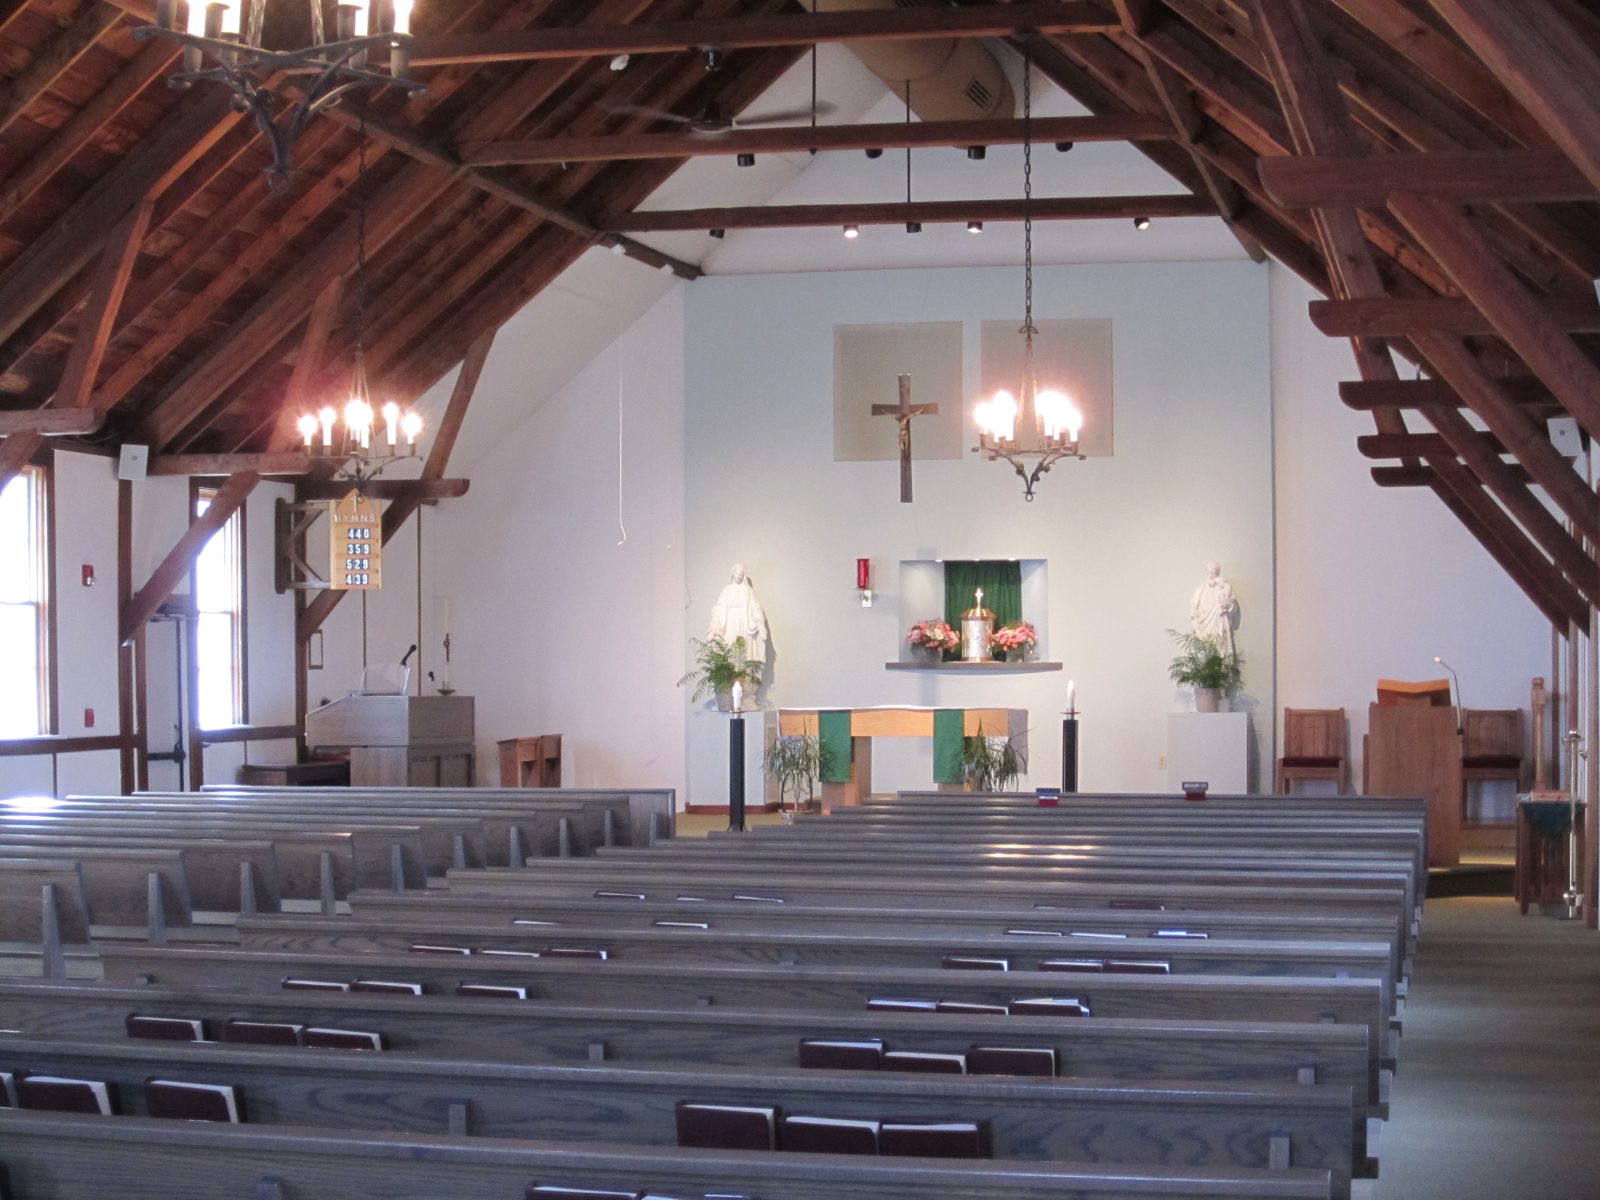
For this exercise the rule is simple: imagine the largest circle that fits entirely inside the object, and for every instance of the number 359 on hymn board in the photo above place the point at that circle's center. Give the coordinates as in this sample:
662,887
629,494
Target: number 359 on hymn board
355,544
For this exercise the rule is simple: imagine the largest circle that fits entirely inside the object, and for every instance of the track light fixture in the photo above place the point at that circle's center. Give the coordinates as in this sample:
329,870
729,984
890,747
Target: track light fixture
746,160
974,226
719,234
913,226
875,152
620,63
1063,146
977,153
852,231
1141,223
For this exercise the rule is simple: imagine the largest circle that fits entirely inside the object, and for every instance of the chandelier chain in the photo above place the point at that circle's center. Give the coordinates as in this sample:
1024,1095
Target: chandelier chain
317,36
361,246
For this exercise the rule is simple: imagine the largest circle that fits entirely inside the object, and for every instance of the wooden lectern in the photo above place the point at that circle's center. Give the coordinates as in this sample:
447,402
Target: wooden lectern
1413,747
399,741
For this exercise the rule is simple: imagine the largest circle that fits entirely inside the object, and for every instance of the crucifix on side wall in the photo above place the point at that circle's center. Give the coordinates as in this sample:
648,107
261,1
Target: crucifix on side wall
902,413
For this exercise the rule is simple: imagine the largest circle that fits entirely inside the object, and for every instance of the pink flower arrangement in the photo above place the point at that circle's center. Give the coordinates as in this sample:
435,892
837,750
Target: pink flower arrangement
1018,636
935,635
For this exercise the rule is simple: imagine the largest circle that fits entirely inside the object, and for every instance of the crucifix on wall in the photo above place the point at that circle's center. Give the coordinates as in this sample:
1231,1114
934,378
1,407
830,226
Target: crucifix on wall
903,412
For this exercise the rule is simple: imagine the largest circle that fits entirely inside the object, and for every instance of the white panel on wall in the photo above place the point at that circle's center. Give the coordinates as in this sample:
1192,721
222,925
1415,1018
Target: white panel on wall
868,361
1126,538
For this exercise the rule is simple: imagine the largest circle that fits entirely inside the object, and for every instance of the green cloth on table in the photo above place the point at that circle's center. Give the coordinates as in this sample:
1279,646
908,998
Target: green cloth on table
949,737
1552,818
833,731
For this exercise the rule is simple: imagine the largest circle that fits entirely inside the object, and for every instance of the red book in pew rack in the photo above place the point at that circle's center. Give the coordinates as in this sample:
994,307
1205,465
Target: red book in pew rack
1048,1006
315,985
827,1055
726,1126
191,1101
1137,966
928,1064
552,1191
343,1039
1012,1060
262,1033
970,1008
164,1029
934,1139
830,1135
55,1093
386,986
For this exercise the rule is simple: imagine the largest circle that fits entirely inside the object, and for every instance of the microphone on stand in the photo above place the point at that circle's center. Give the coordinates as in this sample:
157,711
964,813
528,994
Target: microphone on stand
406,657
1457,682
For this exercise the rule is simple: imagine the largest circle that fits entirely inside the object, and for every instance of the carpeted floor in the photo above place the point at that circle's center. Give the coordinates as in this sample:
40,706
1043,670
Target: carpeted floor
1497,1095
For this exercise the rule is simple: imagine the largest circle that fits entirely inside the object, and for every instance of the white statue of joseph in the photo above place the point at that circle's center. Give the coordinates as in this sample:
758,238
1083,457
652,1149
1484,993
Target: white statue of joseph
737,613
1213,608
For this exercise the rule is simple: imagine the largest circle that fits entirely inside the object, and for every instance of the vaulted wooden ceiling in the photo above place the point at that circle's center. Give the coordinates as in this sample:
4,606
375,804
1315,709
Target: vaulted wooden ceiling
1432,166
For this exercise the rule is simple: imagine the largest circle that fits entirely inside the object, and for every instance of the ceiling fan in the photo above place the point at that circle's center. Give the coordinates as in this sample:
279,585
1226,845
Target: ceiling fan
713,119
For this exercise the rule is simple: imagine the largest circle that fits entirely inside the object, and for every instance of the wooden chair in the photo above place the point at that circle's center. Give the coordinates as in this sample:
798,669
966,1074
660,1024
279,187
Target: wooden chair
1493,747
1315,746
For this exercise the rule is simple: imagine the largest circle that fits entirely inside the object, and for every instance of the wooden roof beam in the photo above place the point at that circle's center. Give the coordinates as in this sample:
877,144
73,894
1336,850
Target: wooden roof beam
798,216
801,139
1417,445
1367,395
786,29
280,463
1138,16
1481,177
1421,476
1402,316
1320,123
1447,234
105,298
54,60
421,490
229,499
17,451
1548,66
52,422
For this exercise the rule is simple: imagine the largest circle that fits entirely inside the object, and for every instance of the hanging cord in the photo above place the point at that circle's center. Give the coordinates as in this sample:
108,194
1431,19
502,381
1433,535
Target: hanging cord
621,528
361,257
1027,224
908,148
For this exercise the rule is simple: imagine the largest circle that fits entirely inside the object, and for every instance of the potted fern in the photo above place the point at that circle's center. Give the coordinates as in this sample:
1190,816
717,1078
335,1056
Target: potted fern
1206,667
718,666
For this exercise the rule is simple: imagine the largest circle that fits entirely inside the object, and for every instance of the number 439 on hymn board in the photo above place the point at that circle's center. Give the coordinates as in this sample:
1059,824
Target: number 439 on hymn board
355,544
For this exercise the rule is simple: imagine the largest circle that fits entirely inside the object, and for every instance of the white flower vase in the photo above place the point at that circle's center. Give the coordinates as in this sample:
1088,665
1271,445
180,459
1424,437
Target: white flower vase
1207,700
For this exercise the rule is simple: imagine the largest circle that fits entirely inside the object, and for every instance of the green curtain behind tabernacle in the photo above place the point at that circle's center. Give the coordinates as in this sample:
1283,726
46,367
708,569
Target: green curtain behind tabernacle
1002,589
833,729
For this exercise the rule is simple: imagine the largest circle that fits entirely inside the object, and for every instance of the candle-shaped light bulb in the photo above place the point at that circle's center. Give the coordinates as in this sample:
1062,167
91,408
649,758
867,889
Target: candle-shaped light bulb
197,18
307,425
1072,697
1003,416
391,423
360,15
230,17
358,420
327,417
411,426
402,15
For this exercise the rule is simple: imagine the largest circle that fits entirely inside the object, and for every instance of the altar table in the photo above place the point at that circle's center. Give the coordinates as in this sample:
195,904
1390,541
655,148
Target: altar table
896,721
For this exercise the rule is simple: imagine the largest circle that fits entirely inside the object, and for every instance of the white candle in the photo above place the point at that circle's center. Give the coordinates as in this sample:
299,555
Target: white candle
1072,697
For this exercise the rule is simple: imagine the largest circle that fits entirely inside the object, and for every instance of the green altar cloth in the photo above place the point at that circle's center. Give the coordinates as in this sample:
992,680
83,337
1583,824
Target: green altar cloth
833,730
949,735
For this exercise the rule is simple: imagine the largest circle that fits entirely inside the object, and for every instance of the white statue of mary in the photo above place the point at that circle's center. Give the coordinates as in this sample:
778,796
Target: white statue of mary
737,613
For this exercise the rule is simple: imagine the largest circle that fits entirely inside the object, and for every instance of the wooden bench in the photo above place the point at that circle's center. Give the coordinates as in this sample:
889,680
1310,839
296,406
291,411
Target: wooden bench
888,948
50,1157
1243,1052
1061,1120
224,875
620,983
126,890
42,906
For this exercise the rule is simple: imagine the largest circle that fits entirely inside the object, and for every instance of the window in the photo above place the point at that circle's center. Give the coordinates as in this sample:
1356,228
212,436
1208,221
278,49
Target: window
219,622
24,605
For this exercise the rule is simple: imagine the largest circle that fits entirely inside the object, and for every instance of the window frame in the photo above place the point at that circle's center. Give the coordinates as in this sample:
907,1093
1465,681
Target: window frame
41,469
240,613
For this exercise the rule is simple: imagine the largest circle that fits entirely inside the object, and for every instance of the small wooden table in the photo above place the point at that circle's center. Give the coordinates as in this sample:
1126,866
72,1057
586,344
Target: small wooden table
531,761
1543,840
897,721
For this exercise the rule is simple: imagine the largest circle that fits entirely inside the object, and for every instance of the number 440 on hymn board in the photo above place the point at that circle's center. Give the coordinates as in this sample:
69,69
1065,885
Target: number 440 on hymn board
355,544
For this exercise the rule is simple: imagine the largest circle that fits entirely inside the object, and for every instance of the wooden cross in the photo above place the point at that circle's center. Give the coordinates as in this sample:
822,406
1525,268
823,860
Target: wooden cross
903,412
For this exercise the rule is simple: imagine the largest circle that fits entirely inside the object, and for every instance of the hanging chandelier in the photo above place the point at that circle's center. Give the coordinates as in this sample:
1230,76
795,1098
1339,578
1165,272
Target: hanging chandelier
349,436
1037,427
222,46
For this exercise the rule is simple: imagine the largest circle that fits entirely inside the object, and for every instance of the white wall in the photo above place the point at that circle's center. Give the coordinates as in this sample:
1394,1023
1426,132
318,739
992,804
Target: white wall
1375,581
564,563
87,630
1126,537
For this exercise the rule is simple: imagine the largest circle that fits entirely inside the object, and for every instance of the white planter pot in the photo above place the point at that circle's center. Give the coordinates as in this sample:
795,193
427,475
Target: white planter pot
1207,700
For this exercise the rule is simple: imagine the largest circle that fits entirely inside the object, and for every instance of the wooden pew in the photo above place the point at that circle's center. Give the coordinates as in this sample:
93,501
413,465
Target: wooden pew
447,906
1059,1120
50,1157
578,981
42,905
867,948
126,890
651,813
1239,1053
221,872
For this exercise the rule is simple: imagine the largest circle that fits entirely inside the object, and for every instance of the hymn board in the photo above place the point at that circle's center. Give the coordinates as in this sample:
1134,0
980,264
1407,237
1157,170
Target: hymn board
355,544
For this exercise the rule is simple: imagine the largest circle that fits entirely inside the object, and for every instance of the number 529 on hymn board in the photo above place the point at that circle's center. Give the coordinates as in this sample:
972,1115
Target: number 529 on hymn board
355,544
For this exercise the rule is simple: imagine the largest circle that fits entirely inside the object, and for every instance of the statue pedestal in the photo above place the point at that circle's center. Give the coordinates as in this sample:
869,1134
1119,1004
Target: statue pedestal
1214,747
